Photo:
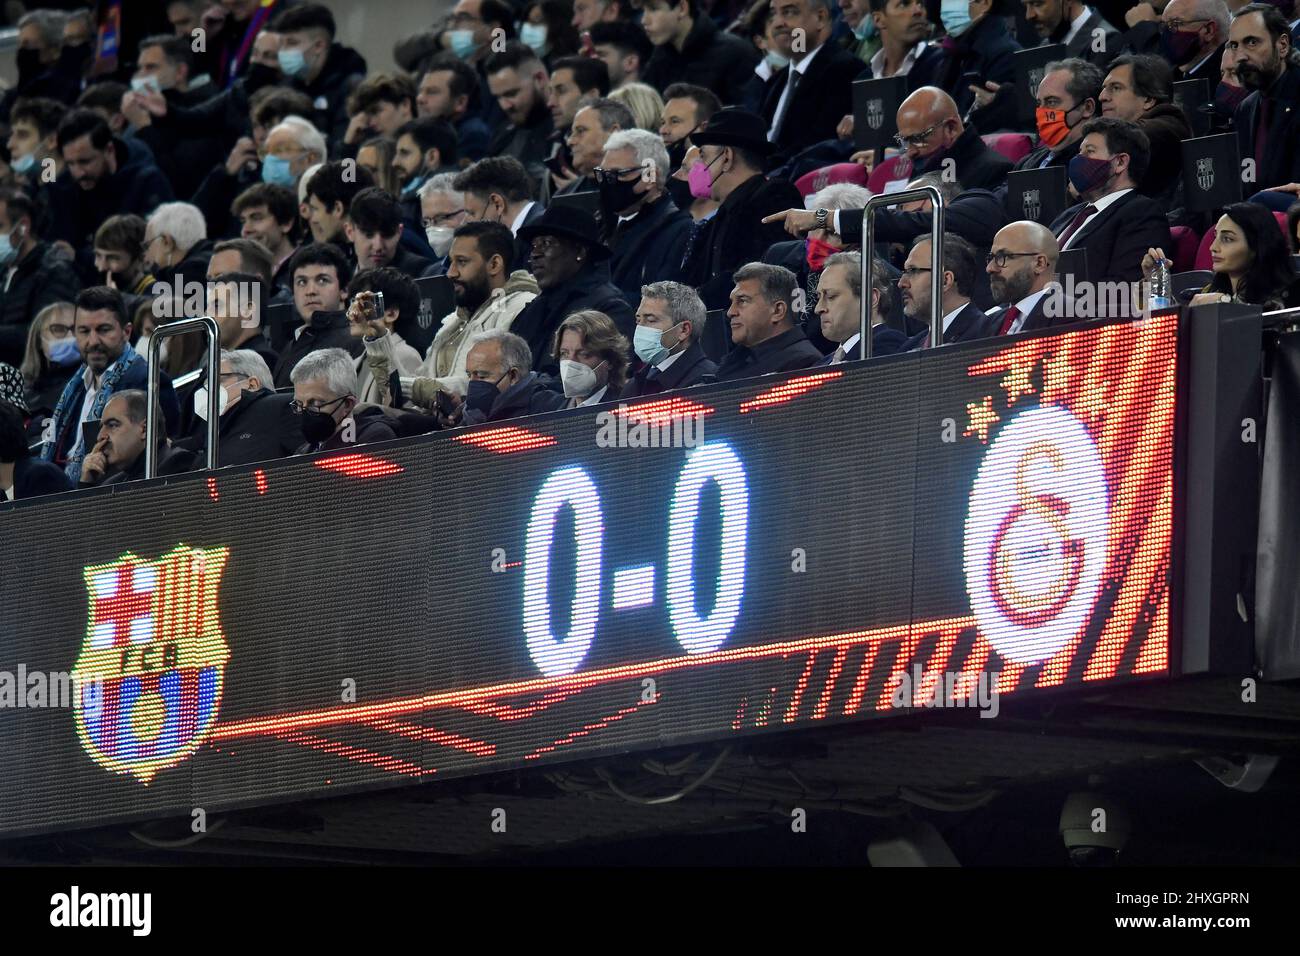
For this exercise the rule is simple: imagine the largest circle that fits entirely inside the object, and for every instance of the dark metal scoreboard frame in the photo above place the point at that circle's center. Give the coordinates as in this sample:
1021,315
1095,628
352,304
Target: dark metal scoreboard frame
539,591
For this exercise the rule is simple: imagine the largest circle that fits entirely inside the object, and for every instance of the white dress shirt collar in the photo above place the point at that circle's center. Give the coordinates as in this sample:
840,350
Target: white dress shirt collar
878,62
519,219
1077,23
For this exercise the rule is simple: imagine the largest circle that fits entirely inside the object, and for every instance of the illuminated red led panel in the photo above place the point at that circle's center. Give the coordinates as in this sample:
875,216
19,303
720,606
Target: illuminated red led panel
506,440
664,410
788,391
360,466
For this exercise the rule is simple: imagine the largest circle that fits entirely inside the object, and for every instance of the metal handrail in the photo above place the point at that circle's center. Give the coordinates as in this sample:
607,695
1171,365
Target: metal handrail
936,258
160,333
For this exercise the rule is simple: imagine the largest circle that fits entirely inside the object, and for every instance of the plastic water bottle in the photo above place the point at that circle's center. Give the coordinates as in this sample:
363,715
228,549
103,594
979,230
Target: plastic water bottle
1162,287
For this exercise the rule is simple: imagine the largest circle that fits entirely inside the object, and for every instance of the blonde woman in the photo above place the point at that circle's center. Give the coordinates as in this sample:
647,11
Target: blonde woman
644,101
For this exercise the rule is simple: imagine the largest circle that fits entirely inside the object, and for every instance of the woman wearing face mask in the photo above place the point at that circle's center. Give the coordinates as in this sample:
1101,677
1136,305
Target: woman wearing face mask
1250,258
50,359
593,357
547,27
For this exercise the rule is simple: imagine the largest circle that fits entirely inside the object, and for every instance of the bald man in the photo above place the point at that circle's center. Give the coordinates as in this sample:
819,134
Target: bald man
931,131
1195,32
1020,265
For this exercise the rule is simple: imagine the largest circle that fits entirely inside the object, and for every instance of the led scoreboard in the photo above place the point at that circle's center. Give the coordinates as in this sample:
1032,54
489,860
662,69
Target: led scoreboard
782,552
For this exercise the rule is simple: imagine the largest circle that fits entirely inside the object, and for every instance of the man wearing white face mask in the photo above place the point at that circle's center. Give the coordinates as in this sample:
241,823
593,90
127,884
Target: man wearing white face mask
593,357
33,275
326,71
669,321
256,422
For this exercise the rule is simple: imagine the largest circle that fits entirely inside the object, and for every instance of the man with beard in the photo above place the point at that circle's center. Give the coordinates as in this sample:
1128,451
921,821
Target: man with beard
1020,266
488,298
1268,125
1075,24
518,81
961,320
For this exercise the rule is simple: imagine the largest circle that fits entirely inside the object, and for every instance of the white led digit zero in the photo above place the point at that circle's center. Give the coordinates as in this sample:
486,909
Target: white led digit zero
713,461
1036,535
554,656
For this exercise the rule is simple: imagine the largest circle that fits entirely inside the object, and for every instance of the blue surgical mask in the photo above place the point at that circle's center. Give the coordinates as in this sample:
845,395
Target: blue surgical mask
24,164
8,251
276,172
866,29
955,15
648,343
534,35
776,61
462,43
292,62
415,183
65,352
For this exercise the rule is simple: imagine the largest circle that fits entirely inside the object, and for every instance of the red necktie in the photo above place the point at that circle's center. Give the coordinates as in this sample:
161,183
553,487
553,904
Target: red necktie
1008,319
1075,223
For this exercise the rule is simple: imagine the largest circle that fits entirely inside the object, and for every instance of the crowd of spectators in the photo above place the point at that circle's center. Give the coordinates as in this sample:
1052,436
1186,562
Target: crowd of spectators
619,197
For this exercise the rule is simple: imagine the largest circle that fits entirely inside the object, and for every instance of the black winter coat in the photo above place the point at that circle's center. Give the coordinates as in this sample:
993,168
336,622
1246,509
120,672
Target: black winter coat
590,289
41,278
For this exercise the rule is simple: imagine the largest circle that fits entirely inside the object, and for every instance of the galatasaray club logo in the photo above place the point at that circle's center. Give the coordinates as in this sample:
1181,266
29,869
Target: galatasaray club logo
151,667
1036,534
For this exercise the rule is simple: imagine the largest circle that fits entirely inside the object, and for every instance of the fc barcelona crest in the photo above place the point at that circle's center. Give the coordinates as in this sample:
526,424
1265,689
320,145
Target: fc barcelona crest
1205,173
875,113
151,668
1032,204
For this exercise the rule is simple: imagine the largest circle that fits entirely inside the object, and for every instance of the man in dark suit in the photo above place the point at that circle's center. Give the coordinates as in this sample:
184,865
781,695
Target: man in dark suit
1267,122
1020,267
961,321
1192,36
1084,31
1140,89
839,307
931,129
904,26
803,102
762,325
732,150
497,190
1067,98
257,423
22,476
1115,223
669,321
985,48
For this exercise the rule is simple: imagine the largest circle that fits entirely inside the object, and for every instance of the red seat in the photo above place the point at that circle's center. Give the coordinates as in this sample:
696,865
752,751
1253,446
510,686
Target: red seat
1186,244
1014,146
896,167
819,179
1281,224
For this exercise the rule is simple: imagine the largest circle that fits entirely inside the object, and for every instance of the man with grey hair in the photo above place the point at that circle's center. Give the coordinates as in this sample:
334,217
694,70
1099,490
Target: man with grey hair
501,382
176,241
1192,36
639,220
257,423
839,307
592,125
42,71
325,400
762,324
442,210
669,322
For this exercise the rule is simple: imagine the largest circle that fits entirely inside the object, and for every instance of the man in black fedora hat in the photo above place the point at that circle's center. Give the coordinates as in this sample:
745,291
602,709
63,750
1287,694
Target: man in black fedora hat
733,152
571,267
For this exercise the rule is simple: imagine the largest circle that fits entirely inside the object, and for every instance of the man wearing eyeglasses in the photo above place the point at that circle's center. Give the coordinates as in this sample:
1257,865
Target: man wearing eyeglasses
936,140
256,422
325,400
640,222
1192,36
961,321
1020,265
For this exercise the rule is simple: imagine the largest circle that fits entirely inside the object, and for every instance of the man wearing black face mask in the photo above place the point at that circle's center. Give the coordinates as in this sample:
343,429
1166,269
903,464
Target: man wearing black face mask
1268,125
639,220
500,383
42,70
325,399
1192,35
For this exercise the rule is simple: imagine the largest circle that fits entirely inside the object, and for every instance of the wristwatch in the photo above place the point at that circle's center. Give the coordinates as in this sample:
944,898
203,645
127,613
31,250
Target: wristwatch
823,217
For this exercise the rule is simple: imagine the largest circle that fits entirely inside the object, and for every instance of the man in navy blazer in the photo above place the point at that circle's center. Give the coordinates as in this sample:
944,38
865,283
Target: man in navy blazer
1020,267
669,321
839,307
1115,223
961,321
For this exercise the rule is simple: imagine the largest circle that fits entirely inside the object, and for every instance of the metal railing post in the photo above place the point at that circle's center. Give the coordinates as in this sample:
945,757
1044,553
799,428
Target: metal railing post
936,258
162,332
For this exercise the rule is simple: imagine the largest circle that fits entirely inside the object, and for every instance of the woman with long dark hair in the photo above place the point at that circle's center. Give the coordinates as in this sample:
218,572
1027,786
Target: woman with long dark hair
1251,259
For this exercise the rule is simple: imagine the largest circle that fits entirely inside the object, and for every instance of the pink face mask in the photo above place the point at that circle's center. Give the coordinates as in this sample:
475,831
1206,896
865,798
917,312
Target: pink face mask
700,180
